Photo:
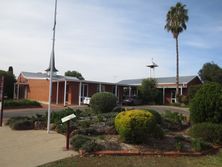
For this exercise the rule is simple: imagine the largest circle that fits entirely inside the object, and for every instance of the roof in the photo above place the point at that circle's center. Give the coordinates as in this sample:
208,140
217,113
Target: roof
39,75
162,80
53,63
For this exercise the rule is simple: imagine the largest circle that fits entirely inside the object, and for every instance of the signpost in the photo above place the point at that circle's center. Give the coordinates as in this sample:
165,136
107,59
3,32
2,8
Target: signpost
1,98
67,119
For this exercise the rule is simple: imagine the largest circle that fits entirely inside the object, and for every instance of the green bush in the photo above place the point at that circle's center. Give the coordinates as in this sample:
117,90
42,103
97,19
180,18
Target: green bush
192,91
21,123
174,117
23,103
208,132
156,115
135,126
78,141
91,146
103,102
199,145
56,116
206,105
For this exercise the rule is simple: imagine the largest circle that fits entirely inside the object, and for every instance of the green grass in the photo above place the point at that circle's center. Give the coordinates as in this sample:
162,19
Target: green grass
139,161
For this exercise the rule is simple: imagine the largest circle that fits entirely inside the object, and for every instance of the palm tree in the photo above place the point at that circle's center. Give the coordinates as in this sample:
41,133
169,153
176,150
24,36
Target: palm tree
176,19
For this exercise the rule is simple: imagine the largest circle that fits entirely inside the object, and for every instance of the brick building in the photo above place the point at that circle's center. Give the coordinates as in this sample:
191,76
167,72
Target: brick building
168,86
72,91
65,90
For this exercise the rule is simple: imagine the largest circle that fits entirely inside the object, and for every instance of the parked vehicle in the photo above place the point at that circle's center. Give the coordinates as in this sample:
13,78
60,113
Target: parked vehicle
86,100
130,101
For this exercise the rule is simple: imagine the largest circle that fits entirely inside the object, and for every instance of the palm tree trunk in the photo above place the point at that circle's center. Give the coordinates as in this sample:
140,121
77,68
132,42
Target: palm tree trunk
177,70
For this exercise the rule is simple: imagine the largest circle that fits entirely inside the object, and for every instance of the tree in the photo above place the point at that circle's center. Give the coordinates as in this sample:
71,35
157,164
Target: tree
8,83
148,90
176,20
211,72
74,74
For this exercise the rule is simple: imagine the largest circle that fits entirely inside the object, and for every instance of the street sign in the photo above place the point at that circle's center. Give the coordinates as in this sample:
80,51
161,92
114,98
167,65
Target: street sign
67,118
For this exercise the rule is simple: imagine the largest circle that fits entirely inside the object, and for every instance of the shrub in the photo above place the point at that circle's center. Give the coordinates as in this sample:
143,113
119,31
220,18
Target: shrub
208,132
206,105
192,91
91,146
173,120
103,102
199,145
58,115
23,103
78,141
156,115
135,126
183,99
21,123
174,117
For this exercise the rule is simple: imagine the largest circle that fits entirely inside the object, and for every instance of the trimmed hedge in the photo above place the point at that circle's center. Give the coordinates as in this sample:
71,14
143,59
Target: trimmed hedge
23,103
103,102
21,123
156,115
135,126
206,105
208,132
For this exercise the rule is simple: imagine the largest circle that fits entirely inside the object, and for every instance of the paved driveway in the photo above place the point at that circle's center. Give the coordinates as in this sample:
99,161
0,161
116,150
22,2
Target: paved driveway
30,148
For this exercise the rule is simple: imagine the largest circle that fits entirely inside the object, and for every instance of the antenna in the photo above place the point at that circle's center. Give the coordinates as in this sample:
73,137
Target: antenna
152,68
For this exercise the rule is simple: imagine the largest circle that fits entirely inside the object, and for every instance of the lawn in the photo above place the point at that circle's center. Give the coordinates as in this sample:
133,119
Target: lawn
139,161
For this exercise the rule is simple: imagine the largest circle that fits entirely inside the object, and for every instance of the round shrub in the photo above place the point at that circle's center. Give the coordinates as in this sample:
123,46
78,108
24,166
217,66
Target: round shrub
78,141
156,115
103,102
135,126
209,132
206,105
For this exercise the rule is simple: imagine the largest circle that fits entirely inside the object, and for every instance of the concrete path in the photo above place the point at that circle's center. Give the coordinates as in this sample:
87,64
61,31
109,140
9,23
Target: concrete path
30,148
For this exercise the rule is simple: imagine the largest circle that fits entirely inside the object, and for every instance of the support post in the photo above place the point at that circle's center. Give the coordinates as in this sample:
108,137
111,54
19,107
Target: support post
129,91
181,90
163,95
80,92
17,91
67,135
100,87
65,85
57,93
116,89
14,97
2,99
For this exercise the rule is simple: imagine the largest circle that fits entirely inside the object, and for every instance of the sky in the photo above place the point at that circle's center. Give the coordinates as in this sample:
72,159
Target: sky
108,40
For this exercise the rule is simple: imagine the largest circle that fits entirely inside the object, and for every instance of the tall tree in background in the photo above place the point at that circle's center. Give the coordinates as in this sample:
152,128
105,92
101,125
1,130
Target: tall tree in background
74,74
148,90
211,72
176,19
9,82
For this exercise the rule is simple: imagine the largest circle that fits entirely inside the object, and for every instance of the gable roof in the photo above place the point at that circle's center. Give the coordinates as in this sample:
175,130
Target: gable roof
39,75
162,80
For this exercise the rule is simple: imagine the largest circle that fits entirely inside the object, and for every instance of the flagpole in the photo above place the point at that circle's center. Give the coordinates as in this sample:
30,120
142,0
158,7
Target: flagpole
51,70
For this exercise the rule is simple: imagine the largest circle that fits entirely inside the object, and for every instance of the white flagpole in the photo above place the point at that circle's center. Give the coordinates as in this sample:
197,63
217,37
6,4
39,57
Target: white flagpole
51,70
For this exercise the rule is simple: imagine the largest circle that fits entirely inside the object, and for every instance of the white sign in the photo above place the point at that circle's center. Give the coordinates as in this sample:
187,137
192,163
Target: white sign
67,118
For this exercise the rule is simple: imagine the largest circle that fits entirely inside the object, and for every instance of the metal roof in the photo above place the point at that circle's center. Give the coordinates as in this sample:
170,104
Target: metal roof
162,80
39,75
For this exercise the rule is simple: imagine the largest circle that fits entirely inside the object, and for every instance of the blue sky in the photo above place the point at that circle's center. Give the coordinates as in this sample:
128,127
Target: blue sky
108,40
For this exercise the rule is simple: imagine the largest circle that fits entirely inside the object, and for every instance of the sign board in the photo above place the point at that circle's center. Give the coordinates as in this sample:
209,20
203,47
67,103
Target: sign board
67,118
